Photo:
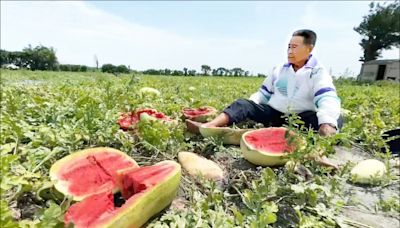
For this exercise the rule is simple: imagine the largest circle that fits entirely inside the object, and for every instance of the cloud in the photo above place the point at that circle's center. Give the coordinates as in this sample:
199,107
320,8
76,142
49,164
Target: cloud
78,31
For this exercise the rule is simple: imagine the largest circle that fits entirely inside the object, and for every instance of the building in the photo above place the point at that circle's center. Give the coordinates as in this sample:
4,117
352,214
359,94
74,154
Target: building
11,66
388,69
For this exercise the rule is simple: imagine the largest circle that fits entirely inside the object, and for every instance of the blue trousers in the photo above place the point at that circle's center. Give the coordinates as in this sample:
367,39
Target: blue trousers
243,109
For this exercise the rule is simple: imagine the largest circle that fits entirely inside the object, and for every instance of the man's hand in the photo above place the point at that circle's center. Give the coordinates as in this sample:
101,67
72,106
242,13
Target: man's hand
326,130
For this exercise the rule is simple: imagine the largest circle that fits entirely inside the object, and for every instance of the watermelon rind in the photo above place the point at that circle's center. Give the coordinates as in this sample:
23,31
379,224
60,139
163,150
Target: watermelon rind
63,185
264,158
140,207
228,135
212,112
369,171
137,211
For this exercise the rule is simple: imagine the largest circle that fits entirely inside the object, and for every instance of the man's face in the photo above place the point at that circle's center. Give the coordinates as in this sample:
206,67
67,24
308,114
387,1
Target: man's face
298,52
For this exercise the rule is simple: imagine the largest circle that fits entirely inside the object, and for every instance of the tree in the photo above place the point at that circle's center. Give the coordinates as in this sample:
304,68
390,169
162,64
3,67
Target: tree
151,72
177,73
380,29
185,71
220,71
4,57
122,69
237,71
192,72
40,58
205,69
108,68
167,71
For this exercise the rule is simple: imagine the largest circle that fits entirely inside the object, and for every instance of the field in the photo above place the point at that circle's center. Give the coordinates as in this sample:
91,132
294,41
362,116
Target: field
48,115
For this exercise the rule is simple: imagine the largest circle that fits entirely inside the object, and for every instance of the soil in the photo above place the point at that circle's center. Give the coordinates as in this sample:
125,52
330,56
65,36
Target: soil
366,197
360,211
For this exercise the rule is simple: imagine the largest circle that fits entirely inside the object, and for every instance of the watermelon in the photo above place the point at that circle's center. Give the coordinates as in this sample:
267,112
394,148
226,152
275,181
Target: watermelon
196,165
201,114
268,146
89,171
147,191
149,91
228,135
128,120
369,171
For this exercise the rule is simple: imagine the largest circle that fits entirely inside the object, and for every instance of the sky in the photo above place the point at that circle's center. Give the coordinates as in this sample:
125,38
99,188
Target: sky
252,35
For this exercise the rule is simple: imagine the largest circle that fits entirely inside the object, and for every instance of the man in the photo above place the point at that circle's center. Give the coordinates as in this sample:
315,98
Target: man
302,86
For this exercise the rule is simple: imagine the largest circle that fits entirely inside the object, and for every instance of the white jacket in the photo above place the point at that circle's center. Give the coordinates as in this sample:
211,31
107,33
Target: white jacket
309,89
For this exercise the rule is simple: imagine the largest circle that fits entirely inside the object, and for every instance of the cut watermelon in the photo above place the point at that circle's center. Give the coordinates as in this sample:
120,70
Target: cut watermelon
201,114
268,146
147,191
89,171
128,120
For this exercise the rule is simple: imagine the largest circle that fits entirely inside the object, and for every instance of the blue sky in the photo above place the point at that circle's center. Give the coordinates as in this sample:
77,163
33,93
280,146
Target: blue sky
177,34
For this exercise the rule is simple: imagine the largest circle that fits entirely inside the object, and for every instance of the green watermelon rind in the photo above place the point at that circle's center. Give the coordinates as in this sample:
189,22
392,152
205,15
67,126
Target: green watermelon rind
140,207
151,202
369,171
229,136
264,158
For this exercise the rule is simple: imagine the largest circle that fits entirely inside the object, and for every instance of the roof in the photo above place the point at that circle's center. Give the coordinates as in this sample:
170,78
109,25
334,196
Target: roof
381,61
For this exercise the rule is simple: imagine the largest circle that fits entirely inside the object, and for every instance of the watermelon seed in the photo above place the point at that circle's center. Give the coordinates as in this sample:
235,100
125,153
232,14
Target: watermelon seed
118,200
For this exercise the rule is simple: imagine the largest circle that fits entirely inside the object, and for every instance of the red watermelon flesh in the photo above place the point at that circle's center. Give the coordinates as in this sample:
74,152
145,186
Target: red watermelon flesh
191,113
99,172
196,111
271,140
100,206
98,209
130,119
134,181
127,119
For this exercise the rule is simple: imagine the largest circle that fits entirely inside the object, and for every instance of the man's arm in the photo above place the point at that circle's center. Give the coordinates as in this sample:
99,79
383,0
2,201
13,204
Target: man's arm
326,101
264,93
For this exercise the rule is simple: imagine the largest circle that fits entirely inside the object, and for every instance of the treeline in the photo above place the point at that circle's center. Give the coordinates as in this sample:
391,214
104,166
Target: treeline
38,58
44,58
205,71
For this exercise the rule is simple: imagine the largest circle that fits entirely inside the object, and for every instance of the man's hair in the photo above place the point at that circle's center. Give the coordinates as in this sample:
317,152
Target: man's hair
309,36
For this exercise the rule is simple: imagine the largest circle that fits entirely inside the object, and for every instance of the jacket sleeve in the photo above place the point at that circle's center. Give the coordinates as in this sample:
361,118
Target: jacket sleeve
266,90
326,101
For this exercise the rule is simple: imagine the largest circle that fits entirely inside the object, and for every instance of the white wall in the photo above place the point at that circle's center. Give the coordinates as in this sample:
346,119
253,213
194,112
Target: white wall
369,72
393,71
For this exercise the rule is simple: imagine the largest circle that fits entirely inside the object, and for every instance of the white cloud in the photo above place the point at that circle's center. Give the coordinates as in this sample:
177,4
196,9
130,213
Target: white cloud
338,48
78,31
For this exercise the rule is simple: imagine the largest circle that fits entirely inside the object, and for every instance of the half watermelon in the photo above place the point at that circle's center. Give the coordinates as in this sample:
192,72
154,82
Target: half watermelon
128,120
147,190
268,146
201,114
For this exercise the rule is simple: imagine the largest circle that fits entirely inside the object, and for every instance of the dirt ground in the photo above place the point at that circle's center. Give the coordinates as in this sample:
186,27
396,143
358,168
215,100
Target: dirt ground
364,198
